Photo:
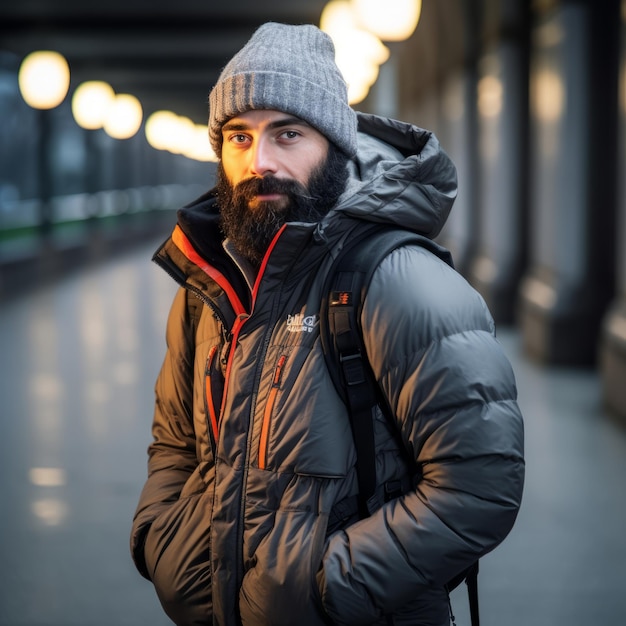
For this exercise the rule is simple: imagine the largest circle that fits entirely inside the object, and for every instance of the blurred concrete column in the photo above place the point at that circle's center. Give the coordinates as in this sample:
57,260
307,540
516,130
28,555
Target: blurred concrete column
573,124
458,136
613,344
502,122
384,99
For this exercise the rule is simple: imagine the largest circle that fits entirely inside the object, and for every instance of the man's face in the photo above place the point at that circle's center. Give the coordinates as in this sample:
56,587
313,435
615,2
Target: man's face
275,168
257,144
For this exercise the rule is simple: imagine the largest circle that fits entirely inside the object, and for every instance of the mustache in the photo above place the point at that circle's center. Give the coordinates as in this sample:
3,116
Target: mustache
251,187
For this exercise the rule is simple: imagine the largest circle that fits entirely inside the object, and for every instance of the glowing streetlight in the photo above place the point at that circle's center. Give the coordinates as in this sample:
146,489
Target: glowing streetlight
358,71
358,53
337,17
91,102
44,78
199,147
184,135
123,117
390,20
179,135
161,129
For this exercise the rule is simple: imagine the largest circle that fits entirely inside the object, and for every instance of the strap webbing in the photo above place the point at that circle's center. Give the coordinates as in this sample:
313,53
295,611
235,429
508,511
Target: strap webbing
359,392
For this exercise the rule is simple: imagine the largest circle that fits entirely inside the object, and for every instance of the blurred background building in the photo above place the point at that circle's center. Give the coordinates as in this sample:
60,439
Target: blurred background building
528,98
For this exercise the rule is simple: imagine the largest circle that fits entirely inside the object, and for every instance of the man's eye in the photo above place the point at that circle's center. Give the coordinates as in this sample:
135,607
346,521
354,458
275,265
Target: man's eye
238,138
291,134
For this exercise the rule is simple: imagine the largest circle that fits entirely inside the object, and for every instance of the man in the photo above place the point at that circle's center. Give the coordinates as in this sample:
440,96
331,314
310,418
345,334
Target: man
242,519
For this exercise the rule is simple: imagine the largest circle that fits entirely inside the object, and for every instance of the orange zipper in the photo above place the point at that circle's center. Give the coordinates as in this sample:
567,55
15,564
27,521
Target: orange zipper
208,391
271,400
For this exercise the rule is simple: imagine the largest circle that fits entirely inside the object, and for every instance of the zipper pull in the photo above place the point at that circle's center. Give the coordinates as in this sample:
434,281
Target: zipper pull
278,372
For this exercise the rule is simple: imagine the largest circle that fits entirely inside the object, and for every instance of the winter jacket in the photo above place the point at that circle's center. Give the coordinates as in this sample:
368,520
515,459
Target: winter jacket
245,518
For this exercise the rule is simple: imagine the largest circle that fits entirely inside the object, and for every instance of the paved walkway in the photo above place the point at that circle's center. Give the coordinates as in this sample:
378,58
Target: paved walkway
78,361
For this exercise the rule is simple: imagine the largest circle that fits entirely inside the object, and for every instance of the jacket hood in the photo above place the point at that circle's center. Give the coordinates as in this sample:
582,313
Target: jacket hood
400,176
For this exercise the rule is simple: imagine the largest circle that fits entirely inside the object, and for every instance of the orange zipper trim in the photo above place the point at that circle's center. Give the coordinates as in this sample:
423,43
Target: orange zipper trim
242,317
269,407
209,394
186,247
257,282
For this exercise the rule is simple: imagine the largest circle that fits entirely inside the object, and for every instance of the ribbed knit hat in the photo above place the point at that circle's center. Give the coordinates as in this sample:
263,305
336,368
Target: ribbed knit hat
290,69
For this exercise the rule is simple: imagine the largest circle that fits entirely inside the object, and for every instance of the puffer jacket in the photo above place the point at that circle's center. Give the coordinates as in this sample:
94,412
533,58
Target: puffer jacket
243,518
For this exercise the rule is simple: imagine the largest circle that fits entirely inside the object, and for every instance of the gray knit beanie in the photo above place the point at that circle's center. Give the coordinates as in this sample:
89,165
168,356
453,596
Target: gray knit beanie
290,69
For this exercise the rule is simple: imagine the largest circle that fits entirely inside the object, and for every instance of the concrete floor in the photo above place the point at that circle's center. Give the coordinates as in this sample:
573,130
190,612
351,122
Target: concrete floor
78,361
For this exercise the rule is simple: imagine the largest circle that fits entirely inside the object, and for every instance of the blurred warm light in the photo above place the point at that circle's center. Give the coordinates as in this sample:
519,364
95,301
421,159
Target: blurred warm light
47,476
162,131
200,147
490,95
184,135
366,44
50,511
160,127
91,102
547,95
358,53
123,117
44,78
357,92
178,134
338,21
337,16
389,20
357,71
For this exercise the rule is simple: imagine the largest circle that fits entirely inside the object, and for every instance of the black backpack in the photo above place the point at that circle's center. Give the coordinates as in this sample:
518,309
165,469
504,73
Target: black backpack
347,362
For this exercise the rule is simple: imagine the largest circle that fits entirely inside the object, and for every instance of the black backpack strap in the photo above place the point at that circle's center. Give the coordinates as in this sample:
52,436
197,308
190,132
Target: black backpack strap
356,383
472,591
342,341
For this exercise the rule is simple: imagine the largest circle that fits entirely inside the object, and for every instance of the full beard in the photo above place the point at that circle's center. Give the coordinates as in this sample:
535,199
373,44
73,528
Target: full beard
252,230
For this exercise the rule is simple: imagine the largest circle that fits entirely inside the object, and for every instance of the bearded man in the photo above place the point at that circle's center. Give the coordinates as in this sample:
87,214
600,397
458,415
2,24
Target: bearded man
245,518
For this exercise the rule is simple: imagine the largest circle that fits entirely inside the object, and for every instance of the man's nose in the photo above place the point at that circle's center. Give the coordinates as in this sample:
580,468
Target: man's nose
264,158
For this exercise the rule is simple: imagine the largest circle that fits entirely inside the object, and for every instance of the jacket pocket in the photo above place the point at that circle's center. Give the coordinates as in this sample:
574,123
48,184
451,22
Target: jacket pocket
177,555
300,423
269,408
213,392
281,587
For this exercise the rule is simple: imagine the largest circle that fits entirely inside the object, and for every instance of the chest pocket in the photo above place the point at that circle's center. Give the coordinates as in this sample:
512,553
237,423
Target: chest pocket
213,391
301,425
211,350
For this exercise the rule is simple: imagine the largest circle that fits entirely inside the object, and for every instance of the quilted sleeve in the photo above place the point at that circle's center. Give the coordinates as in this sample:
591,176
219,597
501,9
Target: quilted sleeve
172,453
